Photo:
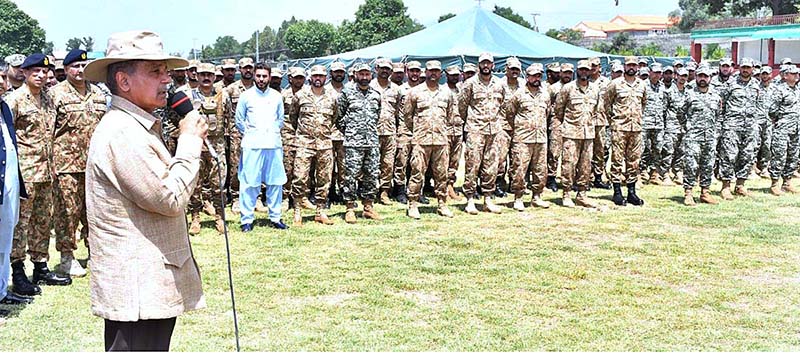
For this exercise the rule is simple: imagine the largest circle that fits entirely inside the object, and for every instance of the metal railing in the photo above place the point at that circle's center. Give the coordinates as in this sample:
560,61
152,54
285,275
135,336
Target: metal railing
749,22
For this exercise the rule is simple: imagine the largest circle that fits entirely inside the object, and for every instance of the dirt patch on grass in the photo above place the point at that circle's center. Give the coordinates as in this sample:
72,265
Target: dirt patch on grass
421,298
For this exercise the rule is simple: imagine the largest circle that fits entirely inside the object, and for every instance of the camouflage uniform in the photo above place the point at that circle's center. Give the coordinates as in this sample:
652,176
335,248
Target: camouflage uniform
480,105
387,131
34,126
672,149
314,116
764,126
504,137
455,138
403,156
425,114
653,124
169,121
287,138
76,118
337,139
701,111
601,141
554,147
575,109
785,114
527,112
234,140
739,134
624,103
357,114
218,111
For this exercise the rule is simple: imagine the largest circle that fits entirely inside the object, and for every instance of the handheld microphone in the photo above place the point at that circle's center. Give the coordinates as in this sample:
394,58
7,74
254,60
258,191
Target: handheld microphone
182,104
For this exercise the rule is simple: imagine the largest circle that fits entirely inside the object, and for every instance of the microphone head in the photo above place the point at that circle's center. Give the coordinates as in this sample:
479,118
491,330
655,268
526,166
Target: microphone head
180,102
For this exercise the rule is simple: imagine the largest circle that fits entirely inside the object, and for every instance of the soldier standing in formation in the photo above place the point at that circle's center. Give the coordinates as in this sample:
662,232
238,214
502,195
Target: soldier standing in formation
601,142
387,126
510,85
763,103
672,157
403,156
455,131
785,114
335,87
701,108
653,124
297,79
228,68
555,147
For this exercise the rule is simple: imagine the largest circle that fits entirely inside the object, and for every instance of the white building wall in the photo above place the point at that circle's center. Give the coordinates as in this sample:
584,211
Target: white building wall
787,49
758,50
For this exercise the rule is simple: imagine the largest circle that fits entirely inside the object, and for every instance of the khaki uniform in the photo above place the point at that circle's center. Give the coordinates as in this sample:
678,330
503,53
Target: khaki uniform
576,110
601,137
220,86
554,148
287,138
527,113
76,118
504,137
426,113
387,131
337,140
218,111
234,137
480,104
403,155
34,121
315,124
624,103
455,138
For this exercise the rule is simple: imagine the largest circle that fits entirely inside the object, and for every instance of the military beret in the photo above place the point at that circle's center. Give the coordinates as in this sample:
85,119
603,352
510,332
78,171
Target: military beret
584,64
453,70
35,60
554,67
535,68
486,56
206,67
411,65
567,67
318,70
383,62
513,63
433,65
470,67
337,66
398,67
15,59
362,67
244,62
75,55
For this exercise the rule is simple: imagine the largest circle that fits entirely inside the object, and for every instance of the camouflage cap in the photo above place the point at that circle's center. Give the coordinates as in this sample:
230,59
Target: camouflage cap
615,62
746,62
297,71
228,64
669,69
595,61
691,66
244,62
59,64
786,61
513,63
584,64
15,59
644,71
318,70
218,70
617,68
677,63
792,69
453,70
398,67
470,67
631,60
433,65
383,62
567,67
352,70
276,72
337,66
766,70
486,56
554,67
422,73
656,68
642,61
535,68
704,70
725,61
682,72
206,67
757,63
361,67
413,65
193,64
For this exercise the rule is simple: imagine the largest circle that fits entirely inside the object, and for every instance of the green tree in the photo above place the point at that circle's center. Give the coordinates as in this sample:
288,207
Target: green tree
19,33
48,48
345,38
88,43
681,51
650,49
568,35
74,43
281,33
377,21
621,44
713,52
446,17
509,14
267,42
692,11
308,39
225,46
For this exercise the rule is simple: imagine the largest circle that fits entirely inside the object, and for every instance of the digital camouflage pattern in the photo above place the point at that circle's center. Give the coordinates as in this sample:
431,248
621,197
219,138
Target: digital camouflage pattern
701,111
785,113
357,113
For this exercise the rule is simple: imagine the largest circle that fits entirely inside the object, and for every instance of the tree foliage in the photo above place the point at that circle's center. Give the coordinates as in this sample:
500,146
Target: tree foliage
267,43
19,33
621,44
692,11
307,39
224,46
568,35
509,14
377,21
85,43
446,17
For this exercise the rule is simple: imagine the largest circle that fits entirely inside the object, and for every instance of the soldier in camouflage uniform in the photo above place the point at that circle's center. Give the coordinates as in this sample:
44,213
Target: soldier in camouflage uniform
297,79
653,124
480,102
601,142
403,156
335,86
672,151
387,126
455,132
34,117
15,76
426,110
762,119
79,106
398,73
313,109
234,137
169,118
554,146
470,70
725,73
228,75
576,108
510,85
527,111
785,114
702,105
624,103
216,107
357,111
739,131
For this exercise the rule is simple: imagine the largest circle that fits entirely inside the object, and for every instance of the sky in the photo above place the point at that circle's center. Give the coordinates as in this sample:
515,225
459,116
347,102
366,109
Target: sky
187,24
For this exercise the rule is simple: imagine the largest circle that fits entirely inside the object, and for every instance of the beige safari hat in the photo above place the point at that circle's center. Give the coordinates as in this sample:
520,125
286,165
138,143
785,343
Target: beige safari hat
133,45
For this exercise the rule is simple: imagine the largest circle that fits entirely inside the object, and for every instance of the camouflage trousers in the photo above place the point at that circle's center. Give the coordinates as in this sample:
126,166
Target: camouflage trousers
600,148
554,149
576,163
455,147
698,160
785,144
424,157
321,161
626,151
337,177
401,160
35,220
737,154
234,155
209,183
289,153
670,146
764,142
70,209
677,154
388,148
503,141
481,161
525,158
363,162
652,140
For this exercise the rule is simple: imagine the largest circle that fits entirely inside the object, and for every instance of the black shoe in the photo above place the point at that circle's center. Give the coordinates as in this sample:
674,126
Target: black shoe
278,225
551,184
43,275
247,228
328,204
401,195
617,198
632,198
13,299
4,313
498,192
598,182
574,187
312,198
290,201
19,279
424,200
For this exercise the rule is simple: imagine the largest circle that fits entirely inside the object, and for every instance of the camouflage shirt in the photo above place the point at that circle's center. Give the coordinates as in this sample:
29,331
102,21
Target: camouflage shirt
76,118
785,103
716,82
576,108
738,103
390,104
527,113
655,106
426,113
357,114
675,118
552,92
602,82
289,126
220,85
763,102
508,91
34,121
235,90
455,125
480,104
218,111
403,133
624,104
702,112
336,135
314,116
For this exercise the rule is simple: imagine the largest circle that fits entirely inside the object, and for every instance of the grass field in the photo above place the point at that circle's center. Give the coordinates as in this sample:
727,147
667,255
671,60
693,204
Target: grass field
658,277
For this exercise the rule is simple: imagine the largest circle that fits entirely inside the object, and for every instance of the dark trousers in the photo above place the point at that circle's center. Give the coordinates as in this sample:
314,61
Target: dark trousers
142,335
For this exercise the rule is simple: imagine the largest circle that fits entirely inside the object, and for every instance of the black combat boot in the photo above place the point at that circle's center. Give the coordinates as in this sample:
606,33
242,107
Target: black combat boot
424,200
22,285
551,184
43,275
401,194
632,198
617,198
598,182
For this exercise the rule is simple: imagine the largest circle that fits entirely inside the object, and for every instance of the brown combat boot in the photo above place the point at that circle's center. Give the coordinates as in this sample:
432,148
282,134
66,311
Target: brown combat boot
667,181
452,194
538,202
489,206
384,198
306,204
655,179
775,188
442,210
208,208
740,189
688,198
219,224
725,193
470,208
566,200
705,197
413,210
298,217
787,186
194,228
350,215
322,216
369,211
582,200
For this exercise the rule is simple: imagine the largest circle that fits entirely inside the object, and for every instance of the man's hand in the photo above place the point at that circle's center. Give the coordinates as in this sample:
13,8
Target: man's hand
194,124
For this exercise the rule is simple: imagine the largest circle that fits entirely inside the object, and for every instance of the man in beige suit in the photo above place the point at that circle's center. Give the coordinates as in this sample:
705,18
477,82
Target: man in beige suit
143,271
